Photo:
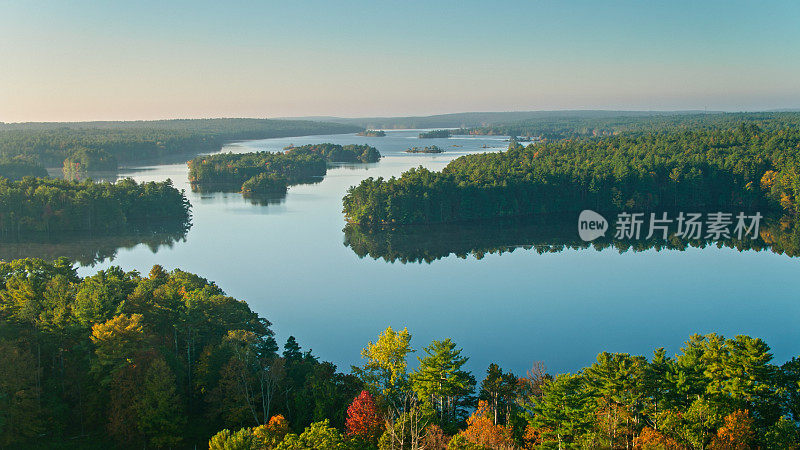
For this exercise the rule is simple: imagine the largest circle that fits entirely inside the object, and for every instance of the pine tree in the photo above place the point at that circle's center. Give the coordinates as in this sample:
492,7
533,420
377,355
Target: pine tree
441,382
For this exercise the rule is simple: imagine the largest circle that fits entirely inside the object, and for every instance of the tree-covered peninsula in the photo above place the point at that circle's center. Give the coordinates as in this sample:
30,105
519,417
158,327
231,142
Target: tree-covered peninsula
52,206
19,167
273,172
744,167
168,360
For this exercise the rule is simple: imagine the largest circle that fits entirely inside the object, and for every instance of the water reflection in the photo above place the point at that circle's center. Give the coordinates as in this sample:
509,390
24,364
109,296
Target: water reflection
89,250
255,198
551,234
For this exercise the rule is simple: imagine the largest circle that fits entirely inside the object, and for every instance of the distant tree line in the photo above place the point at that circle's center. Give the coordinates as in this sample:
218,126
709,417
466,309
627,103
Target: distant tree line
109,143
55,206
570,125
745,167
271,172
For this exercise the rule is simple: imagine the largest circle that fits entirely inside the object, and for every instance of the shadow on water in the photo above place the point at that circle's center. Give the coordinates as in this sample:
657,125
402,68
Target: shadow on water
551,234
89,249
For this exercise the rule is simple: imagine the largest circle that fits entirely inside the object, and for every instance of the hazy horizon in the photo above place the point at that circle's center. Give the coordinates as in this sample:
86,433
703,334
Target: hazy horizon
152,60
323,117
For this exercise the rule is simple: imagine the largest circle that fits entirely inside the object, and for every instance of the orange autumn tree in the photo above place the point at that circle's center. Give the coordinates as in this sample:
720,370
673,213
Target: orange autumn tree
363,418
481,430
650,439
737,432
271,434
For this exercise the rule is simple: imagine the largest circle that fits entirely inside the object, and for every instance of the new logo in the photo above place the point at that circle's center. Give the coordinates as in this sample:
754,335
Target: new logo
591,225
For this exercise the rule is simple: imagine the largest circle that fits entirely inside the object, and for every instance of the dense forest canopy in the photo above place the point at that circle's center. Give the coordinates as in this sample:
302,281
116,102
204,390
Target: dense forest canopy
744,167
125,142
52,206
567,126
167,360
19,167
159,361
269,172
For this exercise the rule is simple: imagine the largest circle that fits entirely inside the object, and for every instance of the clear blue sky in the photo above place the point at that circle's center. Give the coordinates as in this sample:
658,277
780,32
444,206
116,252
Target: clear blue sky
82,60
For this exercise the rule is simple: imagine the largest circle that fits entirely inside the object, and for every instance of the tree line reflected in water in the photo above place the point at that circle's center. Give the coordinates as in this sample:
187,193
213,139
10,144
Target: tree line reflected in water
91,249
552,234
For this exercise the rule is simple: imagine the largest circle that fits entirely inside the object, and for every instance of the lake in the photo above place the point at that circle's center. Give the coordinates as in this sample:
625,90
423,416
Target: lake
287,258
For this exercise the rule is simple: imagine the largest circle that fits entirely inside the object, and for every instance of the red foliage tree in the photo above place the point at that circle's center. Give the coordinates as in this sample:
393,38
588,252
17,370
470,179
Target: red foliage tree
363,418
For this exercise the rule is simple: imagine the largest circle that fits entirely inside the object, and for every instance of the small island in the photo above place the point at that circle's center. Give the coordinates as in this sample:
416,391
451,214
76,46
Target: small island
435,134
372,133
273,172
429,149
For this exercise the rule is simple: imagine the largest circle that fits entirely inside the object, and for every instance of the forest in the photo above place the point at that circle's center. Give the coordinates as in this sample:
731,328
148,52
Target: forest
608,123
19,167
745,167
47,205
168,360
110,143
273,172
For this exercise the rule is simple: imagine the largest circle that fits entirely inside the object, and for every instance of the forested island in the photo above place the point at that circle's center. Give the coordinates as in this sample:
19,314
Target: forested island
428,149
47,205
435,134
372,133
106,144
168,360
745,167
272,172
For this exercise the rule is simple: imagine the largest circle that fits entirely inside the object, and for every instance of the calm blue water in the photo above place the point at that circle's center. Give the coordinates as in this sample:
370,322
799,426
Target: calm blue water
289,263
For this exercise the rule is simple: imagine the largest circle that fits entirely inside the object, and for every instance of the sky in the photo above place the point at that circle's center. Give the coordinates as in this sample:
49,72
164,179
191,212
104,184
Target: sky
122,60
